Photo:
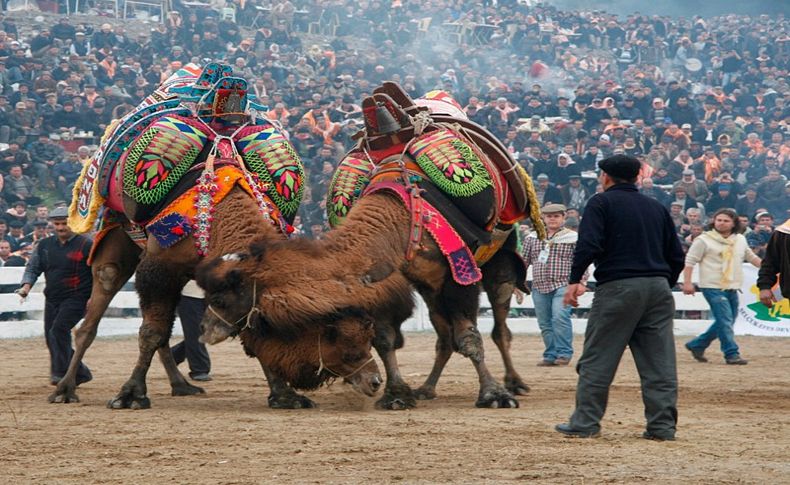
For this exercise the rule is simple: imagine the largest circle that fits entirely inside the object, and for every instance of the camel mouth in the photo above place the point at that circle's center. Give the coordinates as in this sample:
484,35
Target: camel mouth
215,331
366,383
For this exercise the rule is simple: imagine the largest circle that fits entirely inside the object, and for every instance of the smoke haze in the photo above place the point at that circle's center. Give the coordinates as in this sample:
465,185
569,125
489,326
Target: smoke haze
679,8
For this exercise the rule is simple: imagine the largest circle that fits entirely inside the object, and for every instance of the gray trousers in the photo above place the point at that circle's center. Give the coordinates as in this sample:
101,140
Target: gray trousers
190,310
636,312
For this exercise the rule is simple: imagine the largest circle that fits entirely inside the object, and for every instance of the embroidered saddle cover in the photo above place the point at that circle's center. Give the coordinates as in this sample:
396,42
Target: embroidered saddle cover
156,154
163,162
478,198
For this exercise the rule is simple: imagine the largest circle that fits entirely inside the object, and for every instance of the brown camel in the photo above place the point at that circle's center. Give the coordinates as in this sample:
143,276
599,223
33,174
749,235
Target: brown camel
362,264
305,353
161,275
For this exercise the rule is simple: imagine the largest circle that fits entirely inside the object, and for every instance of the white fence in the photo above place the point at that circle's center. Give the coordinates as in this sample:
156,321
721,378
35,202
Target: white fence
32,307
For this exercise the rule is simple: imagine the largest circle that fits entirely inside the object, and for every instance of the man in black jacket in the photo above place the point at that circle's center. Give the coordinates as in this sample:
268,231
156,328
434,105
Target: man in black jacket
775,263
638,258
63,258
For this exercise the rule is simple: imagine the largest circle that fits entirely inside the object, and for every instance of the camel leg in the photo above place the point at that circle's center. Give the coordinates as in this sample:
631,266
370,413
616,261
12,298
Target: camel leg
460,305
283,396
179,386
499,281
444,350
397,393
112,266
159,285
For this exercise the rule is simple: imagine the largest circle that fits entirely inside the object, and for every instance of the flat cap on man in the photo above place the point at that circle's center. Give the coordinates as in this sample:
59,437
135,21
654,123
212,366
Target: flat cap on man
59,213
553,209
621,167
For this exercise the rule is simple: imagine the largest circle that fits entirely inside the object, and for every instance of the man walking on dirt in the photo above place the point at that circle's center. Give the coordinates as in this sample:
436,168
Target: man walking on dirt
632,241
63,258
720,252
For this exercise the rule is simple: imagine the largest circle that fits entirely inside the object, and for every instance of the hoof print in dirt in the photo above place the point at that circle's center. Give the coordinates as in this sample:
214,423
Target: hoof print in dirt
186,389
517,387
291,401
498,398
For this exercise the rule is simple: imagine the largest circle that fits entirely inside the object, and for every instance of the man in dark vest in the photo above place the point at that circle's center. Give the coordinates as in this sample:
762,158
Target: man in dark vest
631,239
63,258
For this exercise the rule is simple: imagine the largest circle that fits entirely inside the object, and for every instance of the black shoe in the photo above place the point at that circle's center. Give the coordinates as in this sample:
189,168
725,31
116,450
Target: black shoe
567,430
84,379
204,377
736,360
699,355
657,437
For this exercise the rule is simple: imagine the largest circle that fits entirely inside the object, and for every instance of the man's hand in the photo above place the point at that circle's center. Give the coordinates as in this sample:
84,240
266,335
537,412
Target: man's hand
767,298
23,291
688,289
572,294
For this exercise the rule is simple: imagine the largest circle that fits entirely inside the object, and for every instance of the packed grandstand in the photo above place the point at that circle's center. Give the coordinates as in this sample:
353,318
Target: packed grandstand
702,102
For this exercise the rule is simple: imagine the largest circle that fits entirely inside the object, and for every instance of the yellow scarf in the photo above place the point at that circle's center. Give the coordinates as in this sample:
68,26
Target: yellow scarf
726,255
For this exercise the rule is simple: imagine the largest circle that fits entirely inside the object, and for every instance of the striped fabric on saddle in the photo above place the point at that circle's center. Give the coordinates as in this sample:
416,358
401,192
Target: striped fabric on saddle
463,171
196,122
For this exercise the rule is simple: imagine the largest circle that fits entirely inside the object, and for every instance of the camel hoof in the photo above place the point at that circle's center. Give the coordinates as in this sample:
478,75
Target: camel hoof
63,398
496,398
186,389
128,399
425,393
516,386
64,394
394,402
290,401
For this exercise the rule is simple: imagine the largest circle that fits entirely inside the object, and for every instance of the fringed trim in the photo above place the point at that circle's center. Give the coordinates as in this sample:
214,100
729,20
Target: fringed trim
534,207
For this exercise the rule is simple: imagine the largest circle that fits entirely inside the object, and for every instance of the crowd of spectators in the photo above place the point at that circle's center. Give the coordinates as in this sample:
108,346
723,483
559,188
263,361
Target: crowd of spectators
702,102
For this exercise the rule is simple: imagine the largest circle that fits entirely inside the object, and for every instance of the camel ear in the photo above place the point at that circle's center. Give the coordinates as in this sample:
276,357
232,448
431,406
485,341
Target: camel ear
233,279
378,272
204,274
331,332
258,249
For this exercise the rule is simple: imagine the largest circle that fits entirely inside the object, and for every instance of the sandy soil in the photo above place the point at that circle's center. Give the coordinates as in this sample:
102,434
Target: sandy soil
734,425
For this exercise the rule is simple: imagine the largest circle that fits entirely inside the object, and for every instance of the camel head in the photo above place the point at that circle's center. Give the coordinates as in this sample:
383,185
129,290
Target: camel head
305,353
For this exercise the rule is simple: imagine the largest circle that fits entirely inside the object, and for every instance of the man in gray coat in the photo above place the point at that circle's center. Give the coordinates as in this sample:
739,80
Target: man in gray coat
632,241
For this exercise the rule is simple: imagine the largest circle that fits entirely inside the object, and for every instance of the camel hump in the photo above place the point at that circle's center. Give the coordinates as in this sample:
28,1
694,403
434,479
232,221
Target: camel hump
156,161
351,178
267,152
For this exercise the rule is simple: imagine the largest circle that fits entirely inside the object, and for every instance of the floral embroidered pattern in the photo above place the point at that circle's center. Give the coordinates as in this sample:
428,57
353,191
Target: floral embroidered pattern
348,182
451,164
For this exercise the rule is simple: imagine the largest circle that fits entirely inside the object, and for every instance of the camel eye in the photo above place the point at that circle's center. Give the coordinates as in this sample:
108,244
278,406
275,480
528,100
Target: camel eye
352,357
217,302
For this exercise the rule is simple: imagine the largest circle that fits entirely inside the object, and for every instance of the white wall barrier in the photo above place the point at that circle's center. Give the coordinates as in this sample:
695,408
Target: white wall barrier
419,321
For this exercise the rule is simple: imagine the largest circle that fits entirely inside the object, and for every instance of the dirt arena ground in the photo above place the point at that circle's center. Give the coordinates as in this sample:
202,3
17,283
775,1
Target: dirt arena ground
734,425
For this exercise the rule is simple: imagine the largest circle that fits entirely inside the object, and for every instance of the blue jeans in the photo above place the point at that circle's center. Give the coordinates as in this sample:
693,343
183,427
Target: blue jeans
724,306
554,320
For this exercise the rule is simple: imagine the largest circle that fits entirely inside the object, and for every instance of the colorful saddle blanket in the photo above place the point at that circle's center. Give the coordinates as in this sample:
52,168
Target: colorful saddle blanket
194,121
476,200
164,160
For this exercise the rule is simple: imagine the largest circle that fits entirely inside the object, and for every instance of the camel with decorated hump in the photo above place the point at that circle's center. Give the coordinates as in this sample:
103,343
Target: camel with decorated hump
194,170
426,199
